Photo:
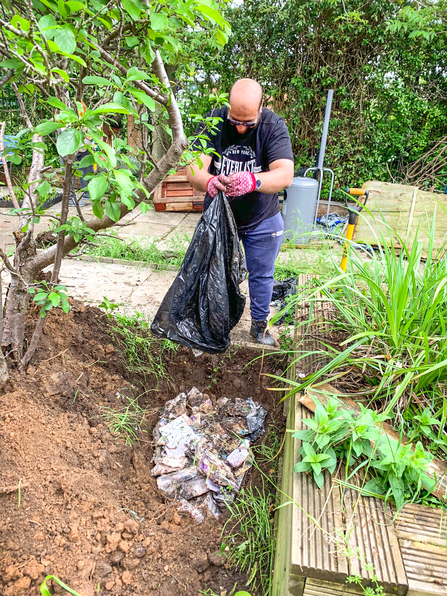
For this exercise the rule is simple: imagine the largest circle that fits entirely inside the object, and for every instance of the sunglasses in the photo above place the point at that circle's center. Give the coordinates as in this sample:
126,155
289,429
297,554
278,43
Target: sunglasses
245,124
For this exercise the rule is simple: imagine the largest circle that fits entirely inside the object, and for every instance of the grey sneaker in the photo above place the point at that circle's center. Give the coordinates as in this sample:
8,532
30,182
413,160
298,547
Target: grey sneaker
258,331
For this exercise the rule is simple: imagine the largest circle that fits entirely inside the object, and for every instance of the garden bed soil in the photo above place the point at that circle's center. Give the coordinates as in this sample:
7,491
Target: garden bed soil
88,510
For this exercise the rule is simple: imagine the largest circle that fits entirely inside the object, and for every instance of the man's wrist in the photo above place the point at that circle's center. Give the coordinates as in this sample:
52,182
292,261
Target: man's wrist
258,182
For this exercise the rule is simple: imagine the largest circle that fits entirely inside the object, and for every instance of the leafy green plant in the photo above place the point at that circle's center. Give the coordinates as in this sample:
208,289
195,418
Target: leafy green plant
335,433
108,306
390,314
46,592
48,296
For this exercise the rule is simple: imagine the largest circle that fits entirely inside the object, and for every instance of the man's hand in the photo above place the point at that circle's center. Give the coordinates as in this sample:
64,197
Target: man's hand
238,184
214,185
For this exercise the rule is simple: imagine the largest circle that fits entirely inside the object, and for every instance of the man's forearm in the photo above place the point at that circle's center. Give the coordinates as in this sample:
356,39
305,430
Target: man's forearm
200,178
276,180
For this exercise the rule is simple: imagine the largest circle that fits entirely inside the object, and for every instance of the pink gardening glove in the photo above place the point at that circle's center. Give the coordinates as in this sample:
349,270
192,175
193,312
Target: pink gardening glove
214,185
238,184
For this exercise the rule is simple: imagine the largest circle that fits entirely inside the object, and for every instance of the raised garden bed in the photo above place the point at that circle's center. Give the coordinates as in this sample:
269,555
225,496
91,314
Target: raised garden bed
327,536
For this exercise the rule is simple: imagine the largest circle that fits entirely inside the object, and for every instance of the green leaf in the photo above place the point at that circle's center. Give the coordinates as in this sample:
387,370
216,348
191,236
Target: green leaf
211,14
143,207
113,210
108,150
54,298
47,21
124,181
133,74
145,99
159,21
94,80
46,592
111,108
55,102
65,305
97,187
98,209
46,128
20,23
11,63
44,188
74,6
65,39
85,162
319,480
302,466
61,73
373,487
133,8
69,141
62,9
132,41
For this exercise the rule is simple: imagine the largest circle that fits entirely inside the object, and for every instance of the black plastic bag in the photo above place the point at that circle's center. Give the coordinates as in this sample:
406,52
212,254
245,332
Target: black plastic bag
204,302
281,291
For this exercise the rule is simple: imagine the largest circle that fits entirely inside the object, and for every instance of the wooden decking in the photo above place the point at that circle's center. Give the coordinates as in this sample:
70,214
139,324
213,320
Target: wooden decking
325,536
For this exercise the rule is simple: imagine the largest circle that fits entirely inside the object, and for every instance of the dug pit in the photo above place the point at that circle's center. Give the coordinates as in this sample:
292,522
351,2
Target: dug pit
80,503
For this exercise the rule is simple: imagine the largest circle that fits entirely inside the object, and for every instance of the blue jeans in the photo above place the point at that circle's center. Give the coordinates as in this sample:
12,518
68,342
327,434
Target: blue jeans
261,247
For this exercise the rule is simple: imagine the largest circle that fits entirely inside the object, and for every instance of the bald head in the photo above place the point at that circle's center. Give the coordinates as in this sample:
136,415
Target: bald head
245,98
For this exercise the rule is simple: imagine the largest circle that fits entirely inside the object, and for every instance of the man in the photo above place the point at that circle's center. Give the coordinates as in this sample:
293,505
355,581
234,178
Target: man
254,162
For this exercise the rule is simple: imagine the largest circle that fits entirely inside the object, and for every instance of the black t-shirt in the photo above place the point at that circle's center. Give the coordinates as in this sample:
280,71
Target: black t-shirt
252,151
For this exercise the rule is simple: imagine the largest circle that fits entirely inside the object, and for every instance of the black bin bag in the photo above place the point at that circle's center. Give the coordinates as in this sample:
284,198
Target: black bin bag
204,302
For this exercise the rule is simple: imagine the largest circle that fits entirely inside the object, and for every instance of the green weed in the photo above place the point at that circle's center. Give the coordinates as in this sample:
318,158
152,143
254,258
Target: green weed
163,254
46,592
336,433
249,535
126,421
143,351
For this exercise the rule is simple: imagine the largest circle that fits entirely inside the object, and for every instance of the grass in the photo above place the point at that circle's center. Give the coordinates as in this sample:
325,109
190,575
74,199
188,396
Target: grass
392,310
143,352
249,536
125,422
293,262
46,592
162,253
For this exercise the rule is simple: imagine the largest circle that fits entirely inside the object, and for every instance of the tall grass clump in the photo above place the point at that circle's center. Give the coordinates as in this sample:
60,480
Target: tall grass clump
391,311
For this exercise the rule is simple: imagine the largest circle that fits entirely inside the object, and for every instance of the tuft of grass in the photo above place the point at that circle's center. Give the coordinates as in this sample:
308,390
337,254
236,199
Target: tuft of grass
46,592
126,421
162,253
249,535
143,352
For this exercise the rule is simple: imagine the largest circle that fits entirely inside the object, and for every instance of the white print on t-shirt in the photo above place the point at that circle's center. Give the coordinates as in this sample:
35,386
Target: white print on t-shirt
237,158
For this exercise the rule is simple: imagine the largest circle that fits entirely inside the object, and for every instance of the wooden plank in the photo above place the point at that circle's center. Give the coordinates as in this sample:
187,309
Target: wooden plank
422,533
324,588
406,211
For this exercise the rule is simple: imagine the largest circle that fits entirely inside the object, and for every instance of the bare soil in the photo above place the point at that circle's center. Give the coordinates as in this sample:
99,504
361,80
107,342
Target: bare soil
88,510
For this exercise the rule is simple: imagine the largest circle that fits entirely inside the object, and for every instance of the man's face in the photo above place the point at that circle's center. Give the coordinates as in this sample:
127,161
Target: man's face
244,117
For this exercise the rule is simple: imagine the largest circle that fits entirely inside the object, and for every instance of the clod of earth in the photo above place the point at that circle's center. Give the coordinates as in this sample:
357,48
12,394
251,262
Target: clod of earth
202,450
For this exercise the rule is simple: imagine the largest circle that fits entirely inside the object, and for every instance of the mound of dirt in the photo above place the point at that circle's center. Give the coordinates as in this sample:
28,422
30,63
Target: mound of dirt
78,502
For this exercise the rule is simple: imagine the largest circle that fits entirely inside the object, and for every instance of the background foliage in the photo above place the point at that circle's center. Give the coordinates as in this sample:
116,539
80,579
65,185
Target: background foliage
386,61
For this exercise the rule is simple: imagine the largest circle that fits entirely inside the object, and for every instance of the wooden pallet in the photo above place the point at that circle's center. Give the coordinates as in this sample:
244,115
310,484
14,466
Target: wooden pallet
325,536
175,193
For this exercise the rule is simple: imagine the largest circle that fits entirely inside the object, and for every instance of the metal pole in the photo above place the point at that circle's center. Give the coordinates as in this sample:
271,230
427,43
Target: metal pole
327,116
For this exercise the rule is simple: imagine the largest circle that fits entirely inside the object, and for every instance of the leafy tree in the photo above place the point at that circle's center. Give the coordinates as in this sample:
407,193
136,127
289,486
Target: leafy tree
85,61
385,59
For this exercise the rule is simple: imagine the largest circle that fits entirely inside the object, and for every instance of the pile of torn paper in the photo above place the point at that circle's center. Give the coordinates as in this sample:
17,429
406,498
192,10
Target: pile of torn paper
202,450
